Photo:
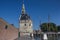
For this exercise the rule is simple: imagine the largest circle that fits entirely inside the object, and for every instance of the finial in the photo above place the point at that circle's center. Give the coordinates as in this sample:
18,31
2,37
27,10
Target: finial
23,1
23,8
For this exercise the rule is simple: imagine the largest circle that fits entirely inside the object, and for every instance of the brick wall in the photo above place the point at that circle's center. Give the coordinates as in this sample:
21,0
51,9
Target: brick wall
9,33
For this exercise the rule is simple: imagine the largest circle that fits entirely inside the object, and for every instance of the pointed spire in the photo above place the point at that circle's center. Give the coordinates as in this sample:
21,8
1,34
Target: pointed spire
23,8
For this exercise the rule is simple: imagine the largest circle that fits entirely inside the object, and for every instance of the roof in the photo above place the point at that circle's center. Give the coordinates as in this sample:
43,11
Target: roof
24,17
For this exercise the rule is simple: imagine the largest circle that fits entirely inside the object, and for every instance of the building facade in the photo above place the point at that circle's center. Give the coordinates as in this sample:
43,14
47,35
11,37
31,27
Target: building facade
25,23
7,31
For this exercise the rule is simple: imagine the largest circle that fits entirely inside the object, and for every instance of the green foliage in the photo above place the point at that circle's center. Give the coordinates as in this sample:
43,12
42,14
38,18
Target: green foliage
48,27
58,27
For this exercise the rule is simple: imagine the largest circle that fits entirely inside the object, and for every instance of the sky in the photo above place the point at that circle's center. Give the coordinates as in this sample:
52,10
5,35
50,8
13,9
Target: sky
38,10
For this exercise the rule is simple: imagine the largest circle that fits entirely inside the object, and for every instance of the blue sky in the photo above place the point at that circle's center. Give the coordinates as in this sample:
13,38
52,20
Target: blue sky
10,11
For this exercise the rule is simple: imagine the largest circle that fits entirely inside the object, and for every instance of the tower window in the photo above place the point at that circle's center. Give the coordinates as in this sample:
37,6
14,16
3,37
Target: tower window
25,24
29,24
6,26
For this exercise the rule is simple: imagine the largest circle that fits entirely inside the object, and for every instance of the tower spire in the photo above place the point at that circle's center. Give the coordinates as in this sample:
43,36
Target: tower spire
23,8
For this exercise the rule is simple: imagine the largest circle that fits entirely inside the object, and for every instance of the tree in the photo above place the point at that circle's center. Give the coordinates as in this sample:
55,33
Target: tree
58,27
48,27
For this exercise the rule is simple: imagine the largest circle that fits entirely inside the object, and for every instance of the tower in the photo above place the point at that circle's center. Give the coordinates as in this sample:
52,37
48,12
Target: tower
25,22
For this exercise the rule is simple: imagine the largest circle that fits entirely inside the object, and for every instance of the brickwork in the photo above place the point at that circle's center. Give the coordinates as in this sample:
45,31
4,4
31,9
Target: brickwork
10,33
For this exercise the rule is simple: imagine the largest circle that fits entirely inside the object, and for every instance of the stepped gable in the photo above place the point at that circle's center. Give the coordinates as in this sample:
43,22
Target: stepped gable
7,31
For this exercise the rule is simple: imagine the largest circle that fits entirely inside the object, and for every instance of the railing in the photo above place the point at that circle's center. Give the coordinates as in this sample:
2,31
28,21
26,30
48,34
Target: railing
40,35
50,35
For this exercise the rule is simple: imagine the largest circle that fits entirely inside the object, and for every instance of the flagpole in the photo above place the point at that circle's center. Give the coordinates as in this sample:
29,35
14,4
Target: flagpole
48,22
